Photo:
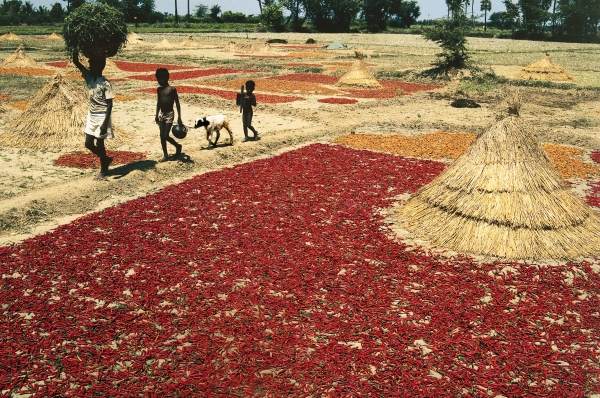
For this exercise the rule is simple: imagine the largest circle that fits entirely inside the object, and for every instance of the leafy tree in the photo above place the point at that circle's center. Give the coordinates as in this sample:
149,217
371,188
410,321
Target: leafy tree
214,12
486,6
332,15
57,13
535,14
579,18
295,8
512,14
450,35
272,17
201,11
376,14
405,13
233,17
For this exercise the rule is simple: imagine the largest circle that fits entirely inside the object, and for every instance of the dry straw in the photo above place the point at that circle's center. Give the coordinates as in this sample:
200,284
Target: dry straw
358,76
9,37
545,69
19,59
54,37
503,198
53,120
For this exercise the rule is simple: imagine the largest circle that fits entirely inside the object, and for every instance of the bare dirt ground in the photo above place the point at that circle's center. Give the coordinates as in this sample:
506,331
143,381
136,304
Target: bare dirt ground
36,195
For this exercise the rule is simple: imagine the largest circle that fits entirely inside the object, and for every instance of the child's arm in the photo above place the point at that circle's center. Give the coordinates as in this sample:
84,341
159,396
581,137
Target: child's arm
108,94
104,126
253,100
157,106
78,64
178,108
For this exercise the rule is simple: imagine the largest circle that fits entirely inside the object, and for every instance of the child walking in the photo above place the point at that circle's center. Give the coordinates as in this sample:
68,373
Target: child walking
165,115
246,101
98,124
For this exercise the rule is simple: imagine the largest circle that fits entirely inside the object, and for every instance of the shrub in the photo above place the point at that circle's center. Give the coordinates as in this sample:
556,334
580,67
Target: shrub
95,29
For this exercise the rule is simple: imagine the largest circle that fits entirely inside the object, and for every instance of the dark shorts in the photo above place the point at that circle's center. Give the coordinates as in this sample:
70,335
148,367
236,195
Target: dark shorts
247,118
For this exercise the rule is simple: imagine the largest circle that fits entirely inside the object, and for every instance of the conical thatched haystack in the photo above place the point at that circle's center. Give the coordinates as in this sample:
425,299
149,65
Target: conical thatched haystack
134,37
544,69
164,44
19,59
503,198
9,37
55,37
54,118
359,76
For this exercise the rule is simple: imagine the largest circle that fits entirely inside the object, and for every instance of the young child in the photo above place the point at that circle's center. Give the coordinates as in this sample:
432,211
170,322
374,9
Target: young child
166,97
246,101
98,125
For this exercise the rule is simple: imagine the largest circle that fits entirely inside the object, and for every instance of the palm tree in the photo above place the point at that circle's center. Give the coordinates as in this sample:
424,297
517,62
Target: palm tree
486,5
188,15
176,14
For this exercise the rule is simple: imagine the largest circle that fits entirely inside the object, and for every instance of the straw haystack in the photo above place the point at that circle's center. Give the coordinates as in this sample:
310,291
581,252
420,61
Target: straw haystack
502,198
134,38
19,59
9,37
53,120
164,44
359,76
54,37
544,69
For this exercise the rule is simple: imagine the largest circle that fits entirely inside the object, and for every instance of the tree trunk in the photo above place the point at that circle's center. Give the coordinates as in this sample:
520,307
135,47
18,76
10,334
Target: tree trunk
176,14
473,11
485,20
554,18
260,6
188,14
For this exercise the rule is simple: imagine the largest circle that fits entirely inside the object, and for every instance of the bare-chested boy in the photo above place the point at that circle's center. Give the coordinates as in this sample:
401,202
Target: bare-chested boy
165,115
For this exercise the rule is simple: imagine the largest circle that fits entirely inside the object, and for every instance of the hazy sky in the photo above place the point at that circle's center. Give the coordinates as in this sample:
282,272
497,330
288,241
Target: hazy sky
429,8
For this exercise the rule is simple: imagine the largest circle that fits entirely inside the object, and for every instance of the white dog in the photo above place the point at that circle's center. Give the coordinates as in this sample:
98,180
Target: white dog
213,125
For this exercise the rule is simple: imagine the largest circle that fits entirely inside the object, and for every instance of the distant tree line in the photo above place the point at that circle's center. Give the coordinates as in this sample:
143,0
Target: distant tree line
537,19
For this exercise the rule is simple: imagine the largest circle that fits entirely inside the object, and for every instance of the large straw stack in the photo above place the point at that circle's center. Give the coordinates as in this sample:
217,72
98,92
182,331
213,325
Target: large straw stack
9,37
358,76
189,42
164,44
545,69
19,59
503,198
54,118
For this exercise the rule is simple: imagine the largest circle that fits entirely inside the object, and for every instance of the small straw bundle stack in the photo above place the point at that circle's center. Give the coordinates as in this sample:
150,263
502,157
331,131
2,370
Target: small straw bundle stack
19,59
54,118
134,38
9,37
164,44
358,76
54,37
503,198
545,69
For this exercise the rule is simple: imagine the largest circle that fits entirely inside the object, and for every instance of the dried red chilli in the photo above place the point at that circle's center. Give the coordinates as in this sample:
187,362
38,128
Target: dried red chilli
86,160
278,276
147,67
595,155
338,100
593,197
307,77
191,74
230,95
391,89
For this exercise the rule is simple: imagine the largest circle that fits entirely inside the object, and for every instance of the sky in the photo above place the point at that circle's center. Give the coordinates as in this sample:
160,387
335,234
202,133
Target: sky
429,8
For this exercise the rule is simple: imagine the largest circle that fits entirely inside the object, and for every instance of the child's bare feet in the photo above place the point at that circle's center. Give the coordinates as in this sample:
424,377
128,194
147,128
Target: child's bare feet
178,150
164,159
100,177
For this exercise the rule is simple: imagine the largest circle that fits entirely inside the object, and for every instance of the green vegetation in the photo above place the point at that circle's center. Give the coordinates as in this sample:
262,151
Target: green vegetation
97,30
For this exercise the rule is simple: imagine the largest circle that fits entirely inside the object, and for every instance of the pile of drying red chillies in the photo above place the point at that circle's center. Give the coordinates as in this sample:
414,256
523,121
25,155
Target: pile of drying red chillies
278,276
86,160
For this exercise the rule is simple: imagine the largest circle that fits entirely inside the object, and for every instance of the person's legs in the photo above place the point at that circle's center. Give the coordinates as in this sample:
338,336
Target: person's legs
89,144
245,125
164,131
172,141
249,122
104,159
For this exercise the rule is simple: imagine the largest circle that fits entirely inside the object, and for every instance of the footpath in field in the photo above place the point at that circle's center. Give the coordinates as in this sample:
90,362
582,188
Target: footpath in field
279,278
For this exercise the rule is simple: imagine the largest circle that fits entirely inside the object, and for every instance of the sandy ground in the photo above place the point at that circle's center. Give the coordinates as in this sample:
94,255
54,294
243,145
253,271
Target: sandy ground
36,196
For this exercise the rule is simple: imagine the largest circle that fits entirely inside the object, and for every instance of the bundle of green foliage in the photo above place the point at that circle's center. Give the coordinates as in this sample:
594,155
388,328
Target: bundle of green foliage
95,29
